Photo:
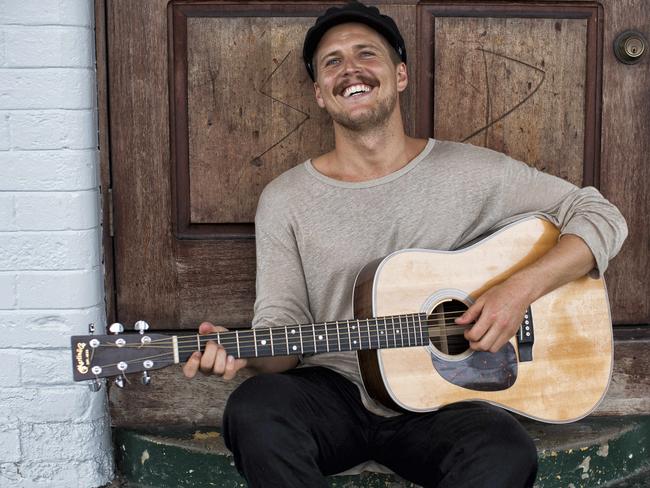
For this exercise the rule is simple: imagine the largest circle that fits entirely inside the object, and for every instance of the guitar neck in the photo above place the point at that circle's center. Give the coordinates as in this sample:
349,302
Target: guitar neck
346,335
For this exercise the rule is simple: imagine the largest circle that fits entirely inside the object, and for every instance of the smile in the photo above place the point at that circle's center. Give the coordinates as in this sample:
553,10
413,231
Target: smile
355,90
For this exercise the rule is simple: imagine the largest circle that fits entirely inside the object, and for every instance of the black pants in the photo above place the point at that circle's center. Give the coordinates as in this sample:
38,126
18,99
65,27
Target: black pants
289,430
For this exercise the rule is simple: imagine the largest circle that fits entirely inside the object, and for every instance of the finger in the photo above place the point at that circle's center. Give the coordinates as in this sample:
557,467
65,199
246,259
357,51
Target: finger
191,367
210,328
471,314
208,357
219,366
229,370
480,327
487,340
234,367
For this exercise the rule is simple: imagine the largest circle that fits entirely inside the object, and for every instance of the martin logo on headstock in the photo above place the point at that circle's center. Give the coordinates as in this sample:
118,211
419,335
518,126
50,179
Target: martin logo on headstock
83,358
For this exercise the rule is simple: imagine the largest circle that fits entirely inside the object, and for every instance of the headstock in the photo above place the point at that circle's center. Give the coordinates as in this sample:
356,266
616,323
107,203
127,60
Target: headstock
101,356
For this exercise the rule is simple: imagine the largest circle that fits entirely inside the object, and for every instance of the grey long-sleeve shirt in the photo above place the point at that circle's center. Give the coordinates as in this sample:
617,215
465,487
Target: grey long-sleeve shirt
315,233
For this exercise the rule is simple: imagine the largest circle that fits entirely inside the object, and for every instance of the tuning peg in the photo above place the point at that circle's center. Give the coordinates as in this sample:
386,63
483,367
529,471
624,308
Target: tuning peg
94,385
116,328
146,379
141,326
119,381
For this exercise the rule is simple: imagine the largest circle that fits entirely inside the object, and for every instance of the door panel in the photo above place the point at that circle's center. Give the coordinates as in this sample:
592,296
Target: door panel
520,80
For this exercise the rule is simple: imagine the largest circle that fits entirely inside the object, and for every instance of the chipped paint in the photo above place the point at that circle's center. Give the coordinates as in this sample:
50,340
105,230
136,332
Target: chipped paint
584,465
603,450
203,436
190,461
145,457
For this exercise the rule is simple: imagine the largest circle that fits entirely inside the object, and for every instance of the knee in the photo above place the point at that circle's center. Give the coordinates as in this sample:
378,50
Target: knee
509,440
256,406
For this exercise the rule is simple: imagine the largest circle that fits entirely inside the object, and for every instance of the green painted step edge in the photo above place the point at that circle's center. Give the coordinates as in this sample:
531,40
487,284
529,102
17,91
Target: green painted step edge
605,451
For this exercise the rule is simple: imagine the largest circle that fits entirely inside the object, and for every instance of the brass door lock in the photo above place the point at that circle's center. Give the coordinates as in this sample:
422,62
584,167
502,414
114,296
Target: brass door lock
630,46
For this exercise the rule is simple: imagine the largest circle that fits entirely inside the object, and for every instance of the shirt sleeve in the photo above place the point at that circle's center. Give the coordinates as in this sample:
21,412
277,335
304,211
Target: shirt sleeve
281,291
583,212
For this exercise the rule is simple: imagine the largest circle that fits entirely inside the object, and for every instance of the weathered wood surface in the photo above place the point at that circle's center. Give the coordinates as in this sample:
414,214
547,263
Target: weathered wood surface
625,160
251,111
139,132
171,399
174,283
503,82
104,157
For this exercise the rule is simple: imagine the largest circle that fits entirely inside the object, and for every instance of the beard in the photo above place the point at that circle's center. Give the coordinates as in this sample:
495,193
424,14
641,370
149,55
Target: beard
372,118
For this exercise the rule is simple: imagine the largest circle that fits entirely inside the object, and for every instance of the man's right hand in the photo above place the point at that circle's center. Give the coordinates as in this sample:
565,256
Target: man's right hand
214,359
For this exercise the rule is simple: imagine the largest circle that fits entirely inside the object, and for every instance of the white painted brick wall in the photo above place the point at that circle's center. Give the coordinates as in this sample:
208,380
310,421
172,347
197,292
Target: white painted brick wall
53,432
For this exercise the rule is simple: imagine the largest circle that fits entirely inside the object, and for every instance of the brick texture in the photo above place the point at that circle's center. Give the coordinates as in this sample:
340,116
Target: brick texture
53,432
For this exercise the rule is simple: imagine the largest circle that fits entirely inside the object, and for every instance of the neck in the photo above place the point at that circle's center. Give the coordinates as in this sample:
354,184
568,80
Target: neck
369,154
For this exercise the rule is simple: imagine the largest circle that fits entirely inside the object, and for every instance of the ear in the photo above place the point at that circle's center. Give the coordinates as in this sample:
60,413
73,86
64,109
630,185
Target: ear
319,97
402,76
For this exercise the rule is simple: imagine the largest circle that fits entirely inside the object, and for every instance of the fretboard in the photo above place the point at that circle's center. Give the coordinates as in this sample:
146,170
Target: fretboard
346,335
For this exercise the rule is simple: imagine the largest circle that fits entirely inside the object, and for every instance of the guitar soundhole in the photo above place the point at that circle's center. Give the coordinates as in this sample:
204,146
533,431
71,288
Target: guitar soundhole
444,334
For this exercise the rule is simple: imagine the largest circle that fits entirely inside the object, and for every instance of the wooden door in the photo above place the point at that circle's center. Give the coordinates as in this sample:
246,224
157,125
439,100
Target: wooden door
208,101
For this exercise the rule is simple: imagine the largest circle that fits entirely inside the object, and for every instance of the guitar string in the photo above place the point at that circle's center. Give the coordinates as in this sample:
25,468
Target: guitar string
351,322
265,334
171,354
250,346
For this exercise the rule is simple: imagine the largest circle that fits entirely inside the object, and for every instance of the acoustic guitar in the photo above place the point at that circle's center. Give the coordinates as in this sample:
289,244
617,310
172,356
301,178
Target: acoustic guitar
412,355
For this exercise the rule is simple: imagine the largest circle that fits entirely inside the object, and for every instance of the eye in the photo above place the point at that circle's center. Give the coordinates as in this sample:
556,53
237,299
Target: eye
332,61
367,54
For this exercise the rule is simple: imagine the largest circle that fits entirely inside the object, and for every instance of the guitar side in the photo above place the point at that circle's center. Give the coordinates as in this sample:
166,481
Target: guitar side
573,349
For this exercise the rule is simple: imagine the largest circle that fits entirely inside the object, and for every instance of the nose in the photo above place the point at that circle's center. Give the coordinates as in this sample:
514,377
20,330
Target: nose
350,65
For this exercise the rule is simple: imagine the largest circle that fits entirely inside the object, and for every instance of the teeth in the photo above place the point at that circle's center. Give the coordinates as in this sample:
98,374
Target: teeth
351,90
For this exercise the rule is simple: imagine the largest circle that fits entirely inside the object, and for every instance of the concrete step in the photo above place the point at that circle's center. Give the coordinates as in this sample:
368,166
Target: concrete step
599,451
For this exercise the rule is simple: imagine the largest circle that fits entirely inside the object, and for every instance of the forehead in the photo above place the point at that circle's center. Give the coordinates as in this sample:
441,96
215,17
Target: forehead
350,33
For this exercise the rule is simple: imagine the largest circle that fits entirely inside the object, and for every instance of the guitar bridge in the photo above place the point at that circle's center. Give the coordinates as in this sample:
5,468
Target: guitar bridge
526,337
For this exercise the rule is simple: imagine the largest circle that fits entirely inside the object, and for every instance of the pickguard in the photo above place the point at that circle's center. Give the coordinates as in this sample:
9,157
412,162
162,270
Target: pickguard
480,371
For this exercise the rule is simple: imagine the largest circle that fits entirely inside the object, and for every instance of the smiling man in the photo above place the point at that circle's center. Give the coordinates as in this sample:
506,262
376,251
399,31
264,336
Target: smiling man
376,192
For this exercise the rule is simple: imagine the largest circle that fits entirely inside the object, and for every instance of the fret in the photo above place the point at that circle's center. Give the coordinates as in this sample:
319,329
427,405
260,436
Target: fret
255,342
401,330
415,331
198,341
380,333
320,334
369,345
271,336
286,336
349,336
279,341
262,337
338,335
313,331
421,332
392,319
230,342
293,341
302,349
408,329
327,338
358,326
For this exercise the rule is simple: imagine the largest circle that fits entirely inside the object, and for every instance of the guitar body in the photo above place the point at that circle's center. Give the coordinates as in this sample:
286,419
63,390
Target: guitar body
572,353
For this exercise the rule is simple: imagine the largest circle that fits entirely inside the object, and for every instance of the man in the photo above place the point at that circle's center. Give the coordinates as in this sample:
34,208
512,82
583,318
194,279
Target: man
378,191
